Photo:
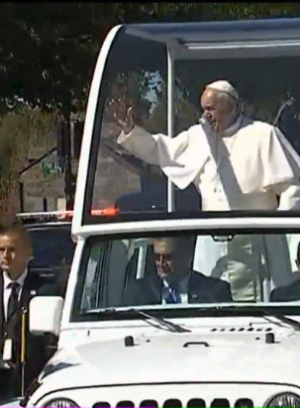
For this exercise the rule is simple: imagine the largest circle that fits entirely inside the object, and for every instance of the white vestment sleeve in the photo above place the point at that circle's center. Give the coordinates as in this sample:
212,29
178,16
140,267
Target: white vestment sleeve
281,166
141,144
285,163
290,198
180,157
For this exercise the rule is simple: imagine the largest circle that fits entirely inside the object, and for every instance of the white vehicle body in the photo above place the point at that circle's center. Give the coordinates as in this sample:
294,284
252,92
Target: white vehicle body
236,365
223,360
227,358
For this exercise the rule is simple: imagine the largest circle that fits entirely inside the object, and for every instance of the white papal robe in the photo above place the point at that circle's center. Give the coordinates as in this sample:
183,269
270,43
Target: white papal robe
245,169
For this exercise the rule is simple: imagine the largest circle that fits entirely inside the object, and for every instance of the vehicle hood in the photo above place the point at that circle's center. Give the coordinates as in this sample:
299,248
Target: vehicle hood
182,357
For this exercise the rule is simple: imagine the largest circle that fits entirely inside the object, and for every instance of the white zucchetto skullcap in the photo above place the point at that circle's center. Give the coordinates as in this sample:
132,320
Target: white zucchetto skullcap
224,86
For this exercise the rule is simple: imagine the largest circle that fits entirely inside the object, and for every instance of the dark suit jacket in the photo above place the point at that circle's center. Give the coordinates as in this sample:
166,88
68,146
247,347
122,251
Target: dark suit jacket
287,293
201,289
35,353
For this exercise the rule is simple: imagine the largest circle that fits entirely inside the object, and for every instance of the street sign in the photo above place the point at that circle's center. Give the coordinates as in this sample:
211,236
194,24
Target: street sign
50,166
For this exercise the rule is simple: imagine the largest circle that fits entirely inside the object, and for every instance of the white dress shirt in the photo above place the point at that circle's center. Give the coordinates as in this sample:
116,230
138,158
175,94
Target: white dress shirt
7,290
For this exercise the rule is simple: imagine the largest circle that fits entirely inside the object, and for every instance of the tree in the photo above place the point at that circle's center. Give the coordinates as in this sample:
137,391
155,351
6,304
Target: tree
49,51
20,132
184,112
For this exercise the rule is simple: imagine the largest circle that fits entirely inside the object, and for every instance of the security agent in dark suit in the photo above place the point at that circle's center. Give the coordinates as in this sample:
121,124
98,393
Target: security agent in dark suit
17,287
173,281
290,292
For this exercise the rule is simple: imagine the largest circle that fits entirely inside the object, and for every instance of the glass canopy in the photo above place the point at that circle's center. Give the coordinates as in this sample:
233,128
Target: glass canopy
160,70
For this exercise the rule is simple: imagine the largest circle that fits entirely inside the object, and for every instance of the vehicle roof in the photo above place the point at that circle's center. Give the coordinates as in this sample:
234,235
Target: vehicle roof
44,225
45,219
216,31
153,222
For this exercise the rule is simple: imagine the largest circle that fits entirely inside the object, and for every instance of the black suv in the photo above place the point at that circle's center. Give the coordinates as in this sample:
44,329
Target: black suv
52,242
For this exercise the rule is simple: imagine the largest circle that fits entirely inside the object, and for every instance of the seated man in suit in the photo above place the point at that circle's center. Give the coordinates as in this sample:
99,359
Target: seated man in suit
291,292
174,281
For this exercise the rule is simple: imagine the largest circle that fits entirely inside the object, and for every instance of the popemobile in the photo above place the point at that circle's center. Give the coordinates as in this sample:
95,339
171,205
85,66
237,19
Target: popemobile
127,336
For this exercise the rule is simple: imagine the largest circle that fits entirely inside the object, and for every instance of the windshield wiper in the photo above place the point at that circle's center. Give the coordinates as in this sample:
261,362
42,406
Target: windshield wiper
291,322
150,319
173,327
257,311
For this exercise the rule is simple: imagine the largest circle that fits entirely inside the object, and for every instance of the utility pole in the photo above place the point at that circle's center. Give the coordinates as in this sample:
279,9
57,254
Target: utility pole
65,155
68,164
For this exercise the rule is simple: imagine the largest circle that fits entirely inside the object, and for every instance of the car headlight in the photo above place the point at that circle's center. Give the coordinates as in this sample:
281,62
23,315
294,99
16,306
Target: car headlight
286,400
61,403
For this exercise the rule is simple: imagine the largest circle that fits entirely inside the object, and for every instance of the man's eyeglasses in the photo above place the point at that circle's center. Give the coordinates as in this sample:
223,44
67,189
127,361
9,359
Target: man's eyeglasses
163,257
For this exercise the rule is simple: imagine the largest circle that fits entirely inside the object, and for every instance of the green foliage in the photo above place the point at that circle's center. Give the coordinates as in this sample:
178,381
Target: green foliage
20,133
49,50
48,54
133,86
184,112
204,11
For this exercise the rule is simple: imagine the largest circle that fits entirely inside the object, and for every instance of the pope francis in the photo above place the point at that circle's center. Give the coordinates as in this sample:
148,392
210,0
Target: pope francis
236,164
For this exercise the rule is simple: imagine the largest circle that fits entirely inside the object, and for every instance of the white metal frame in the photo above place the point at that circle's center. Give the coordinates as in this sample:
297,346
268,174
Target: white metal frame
89,125
241,45
170,118
88,131
209,225
191,224
143,248
174,51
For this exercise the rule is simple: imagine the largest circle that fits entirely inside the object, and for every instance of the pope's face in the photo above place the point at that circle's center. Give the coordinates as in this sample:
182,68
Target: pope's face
216,111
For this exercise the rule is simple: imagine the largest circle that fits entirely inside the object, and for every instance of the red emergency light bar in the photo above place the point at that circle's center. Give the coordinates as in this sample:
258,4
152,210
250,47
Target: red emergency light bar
107,212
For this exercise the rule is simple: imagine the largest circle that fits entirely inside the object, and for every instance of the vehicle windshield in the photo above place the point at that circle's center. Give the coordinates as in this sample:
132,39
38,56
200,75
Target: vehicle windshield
188,270
51,245
136,72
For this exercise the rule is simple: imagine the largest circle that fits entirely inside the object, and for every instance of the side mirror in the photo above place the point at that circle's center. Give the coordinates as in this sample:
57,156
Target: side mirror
45,314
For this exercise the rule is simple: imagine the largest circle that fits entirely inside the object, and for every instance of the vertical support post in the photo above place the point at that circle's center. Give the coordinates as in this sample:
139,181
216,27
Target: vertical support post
21,194
45,204
170,118
142,260
68,163
23,350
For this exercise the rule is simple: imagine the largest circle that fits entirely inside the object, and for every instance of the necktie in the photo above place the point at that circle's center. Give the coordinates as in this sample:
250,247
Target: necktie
13,299
171,292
